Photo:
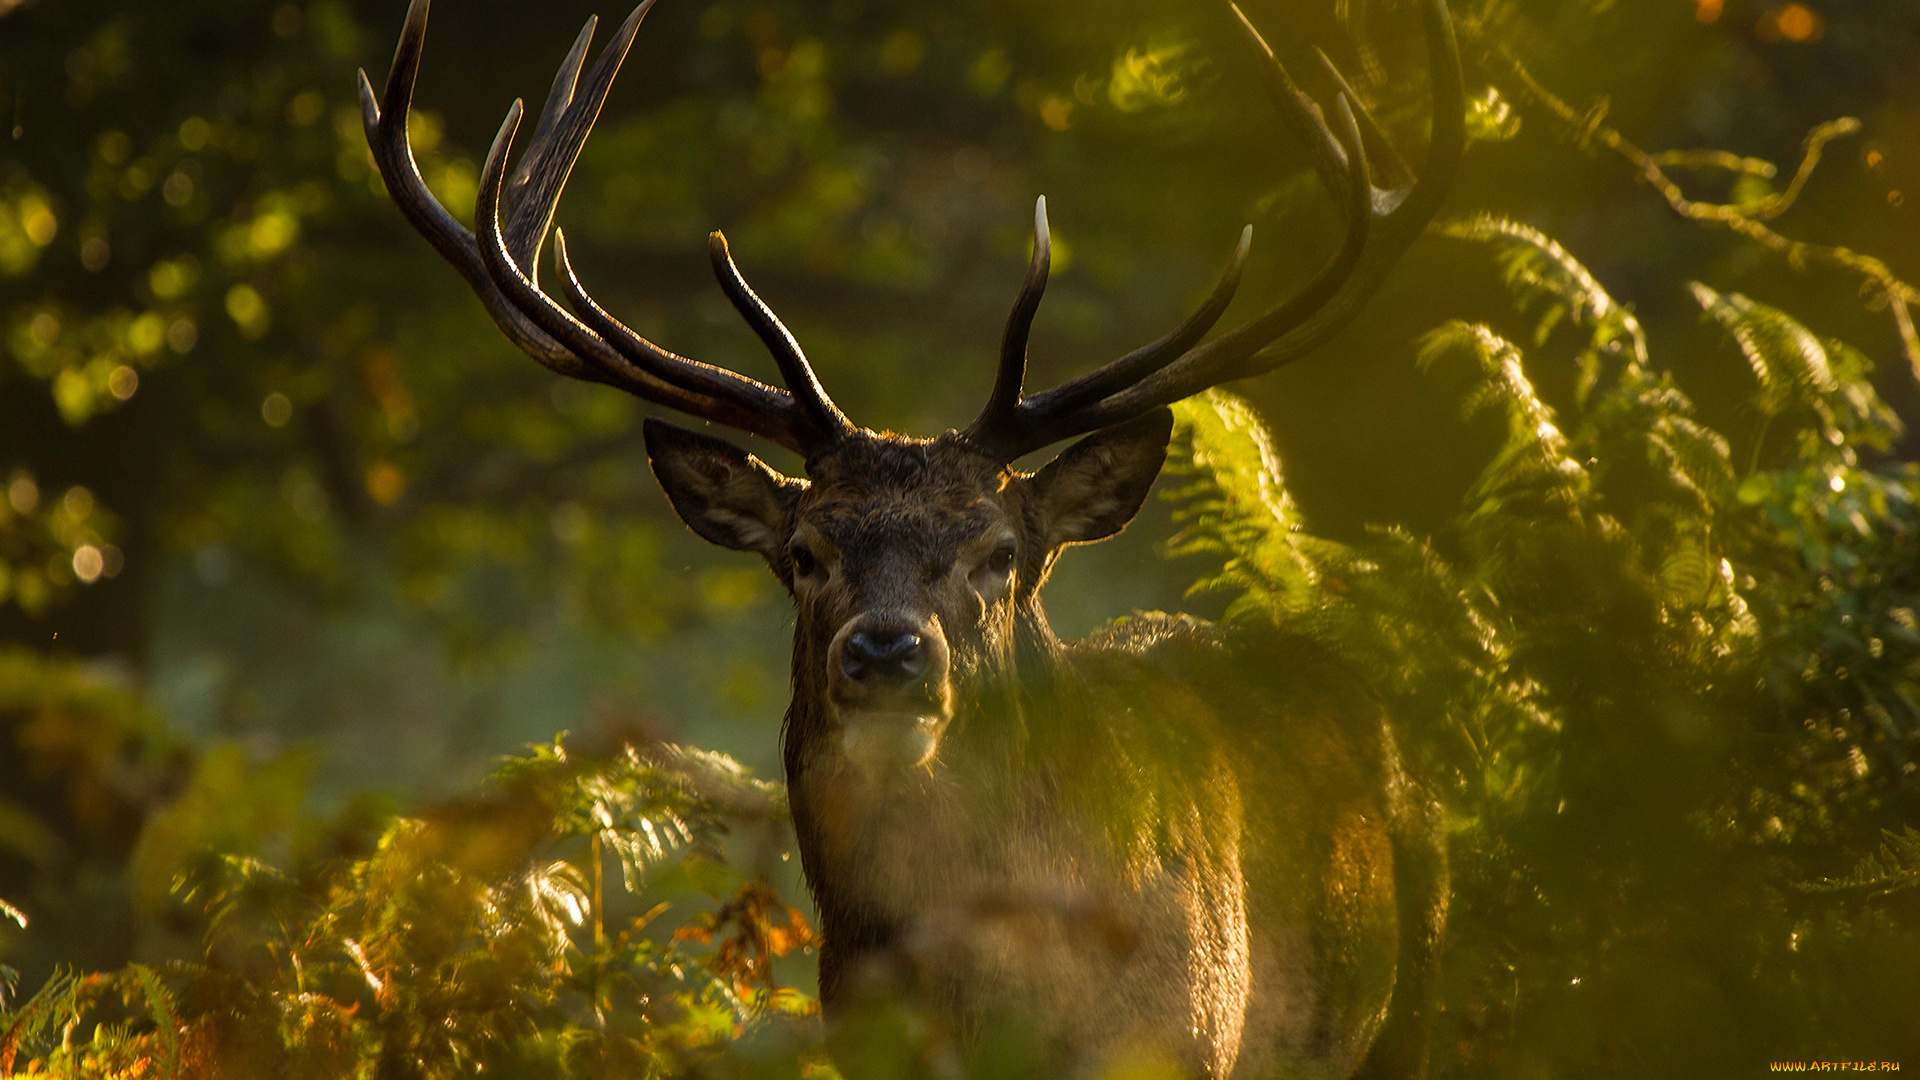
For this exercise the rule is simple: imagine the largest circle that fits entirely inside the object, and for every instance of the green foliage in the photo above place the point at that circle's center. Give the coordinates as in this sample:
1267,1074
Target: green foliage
1614,647
1882,875
1235,506
1543,277
478,938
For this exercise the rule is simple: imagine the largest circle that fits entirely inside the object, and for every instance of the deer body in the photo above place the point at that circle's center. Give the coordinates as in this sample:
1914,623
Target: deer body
1122,849
1167,843
1248,920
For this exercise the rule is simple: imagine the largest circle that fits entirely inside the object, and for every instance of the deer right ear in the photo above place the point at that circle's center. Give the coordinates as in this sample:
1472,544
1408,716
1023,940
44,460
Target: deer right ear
1093,489
725,494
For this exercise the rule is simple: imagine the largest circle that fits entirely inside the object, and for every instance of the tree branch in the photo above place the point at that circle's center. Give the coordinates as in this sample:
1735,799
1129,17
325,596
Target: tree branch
1878,280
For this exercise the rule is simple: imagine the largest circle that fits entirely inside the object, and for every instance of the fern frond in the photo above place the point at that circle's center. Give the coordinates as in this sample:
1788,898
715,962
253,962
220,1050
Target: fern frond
1533,466
1429,634
163,1011
1859,411
58,998
1505,384
560,899
1789,362
1694,457
1894,868
1542,274
1235,505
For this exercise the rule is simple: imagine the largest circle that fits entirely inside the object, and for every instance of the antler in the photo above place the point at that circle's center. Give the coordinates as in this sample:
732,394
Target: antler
512,217
1177,366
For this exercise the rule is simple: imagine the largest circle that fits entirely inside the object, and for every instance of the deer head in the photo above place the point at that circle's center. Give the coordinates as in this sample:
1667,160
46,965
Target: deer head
914,563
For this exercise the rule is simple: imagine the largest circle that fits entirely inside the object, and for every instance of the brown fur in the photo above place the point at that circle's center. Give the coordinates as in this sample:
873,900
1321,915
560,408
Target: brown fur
1167,841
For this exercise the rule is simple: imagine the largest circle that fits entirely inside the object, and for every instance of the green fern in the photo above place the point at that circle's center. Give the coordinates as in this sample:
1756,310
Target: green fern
27,1026
1532,469
1892,870
1234,507
1789,362
1432,639
1862,417
1545,277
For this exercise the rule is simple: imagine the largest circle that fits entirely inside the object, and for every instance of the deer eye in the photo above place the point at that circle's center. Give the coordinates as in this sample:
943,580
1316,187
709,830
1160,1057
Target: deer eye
1001,561
802,561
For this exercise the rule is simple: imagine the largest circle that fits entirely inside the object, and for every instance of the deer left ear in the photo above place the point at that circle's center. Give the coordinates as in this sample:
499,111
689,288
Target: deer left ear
1093,489
725,494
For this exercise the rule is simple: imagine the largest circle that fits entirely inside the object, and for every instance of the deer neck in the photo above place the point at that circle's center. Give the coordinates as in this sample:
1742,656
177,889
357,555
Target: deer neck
886,852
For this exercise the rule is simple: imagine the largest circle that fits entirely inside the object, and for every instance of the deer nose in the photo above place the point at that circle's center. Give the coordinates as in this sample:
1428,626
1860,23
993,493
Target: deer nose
893,655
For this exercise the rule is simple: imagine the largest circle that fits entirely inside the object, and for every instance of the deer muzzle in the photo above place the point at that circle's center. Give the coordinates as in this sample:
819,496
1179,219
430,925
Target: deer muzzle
888,681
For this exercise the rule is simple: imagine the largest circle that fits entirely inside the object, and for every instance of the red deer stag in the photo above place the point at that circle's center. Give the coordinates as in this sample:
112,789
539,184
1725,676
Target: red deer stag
1168,842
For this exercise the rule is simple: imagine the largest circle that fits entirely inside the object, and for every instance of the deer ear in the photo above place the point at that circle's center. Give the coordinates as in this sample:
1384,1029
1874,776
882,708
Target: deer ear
725,494
1093,490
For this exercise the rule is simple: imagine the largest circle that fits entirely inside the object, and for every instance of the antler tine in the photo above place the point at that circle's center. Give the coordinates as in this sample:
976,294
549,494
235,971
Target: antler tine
1147,359
1078,406
1380,149
1405,219
1447,144
641,367
565,81
1003,403
1392,219
558,137
830,422
1011,433
1297,109
384,117
702,379
1325,285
